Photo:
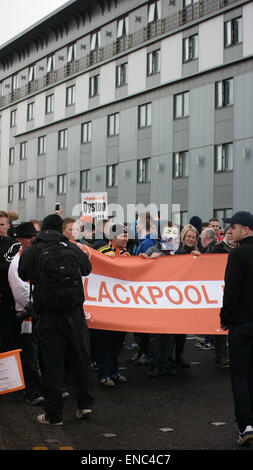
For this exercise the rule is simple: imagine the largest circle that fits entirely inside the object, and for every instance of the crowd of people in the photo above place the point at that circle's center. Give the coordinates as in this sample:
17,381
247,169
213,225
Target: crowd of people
33,254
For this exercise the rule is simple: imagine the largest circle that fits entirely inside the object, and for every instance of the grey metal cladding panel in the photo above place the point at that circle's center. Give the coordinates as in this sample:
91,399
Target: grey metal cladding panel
162,121
201,183
243,176
51,156
127,183
223,189
32,159
201,116
99,141
243,103
161,180
128,135
74,144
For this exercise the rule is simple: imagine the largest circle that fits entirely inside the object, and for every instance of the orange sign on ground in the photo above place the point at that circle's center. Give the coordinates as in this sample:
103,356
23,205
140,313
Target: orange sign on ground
11,373
171,294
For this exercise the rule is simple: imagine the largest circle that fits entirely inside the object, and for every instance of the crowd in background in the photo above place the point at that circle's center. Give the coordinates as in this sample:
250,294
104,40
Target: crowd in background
161,354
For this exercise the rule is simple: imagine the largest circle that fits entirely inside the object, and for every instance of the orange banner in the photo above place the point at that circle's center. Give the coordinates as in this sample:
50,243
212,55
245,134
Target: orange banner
171,294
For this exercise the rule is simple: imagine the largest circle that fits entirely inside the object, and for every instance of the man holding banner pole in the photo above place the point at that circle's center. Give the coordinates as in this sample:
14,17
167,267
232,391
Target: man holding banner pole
236,315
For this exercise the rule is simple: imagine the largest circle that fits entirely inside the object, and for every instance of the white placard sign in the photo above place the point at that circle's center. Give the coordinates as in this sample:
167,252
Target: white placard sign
95,205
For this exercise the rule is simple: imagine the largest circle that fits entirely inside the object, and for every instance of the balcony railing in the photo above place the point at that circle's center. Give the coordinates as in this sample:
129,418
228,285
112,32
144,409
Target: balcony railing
152,30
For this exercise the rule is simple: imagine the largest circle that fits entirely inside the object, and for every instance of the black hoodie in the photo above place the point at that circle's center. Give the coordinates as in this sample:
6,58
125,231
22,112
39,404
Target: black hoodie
29,269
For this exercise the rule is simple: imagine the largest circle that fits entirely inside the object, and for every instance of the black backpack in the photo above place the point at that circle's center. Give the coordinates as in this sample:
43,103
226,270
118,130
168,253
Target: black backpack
61,287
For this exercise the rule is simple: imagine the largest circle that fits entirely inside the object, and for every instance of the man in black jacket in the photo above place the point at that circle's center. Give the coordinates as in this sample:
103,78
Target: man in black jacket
236,315
61,333
8,323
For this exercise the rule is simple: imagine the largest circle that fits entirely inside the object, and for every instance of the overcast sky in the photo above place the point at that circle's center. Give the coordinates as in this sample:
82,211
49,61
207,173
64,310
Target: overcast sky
18,15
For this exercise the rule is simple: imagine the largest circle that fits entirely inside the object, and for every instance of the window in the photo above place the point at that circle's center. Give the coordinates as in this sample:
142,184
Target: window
121,75
14,82
10,193
143,170
123,27
11,156
223,157
190,48
61,184
233,32
42,145
50,63
221,214
86,132
30,111
144,115
31,73
23,150
41,187
85,180
153,62
224,93
13,118
95,41
154,11
49,104
62,139
22,191
180,164
181,105
94,86
70,95
113,124
111,176
71,55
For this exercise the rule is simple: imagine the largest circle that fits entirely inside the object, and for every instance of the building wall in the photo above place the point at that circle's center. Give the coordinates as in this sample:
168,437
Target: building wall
203,191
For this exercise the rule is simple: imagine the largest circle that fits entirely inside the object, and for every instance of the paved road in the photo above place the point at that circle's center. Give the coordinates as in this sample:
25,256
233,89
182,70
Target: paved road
135,412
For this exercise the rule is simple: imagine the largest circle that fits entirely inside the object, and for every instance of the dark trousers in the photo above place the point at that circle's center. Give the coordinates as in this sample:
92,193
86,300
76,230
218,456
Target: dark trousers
160,347
108,346
240,340
60,335
30,363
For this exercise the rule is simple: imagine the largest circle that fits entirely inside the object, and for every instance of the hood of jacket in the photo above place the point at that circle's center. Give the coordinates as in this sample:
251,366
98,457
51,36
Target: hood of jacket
50,236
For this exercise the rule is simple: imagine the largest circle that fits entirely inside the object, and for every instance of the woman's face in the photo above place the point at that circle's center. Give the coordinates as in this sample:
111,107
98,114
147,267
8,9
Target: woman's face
190,238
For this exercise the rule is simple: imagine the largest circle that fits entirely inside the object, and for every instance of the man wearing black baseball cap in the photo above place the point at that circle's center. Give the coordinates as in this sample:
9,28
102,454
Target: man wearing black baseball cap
236,315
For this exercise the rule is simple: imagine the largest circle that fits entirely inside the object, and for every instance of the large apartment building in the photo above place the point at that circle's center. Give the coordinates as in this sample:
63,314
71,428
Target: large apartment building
150,101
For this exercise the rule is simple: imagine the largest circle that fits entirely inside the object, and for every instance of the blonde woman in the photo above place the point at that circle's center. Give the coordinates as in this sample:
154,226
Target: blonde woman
188,245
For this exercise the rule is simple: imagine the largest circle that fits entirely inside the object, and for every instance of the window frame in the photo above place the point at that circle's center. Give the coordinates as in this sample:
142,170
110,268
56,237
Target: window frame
13,118
223,157
86,132
30,111
190,48
23,150
121,75
63,139
154,62
112,124
180,164
144,115
41,187
236,34
85,175
11,156
185,105
94,85
224,93
70,95
10,193
42,148
62,184
49,103
22,191
143,170
112,175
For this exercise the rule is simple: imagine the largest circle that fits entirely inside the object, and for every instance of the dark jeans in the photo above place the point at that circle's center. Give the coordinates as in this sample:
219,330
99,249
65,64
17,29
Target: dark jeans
160,347
108,346
30,363
241,370
62,335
